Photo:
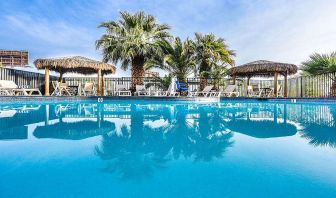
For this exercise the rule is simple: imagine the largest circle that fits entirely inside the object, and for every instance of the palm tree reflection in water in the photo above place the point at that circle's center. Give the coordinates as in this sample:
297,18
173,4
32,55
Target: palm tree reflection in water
204,132
320,126
140,149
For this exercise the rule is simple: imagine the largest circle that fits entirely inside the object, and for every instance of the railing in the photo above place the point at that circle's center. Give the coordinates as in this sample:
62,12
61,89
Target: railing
110,83
12,61
13,58
303,86
322,86
24,78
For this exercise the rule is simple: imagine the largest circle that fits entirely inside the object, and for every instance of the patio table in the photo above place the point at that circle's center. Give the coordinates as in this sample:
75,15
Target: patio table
265,90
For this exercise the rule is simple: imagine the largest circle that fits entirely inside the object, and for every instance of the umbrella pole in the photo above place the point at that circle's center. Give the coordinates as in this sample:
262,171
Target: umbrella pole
286,85
248,84
99,83
276,84
103,85
234,80
60,79
46,82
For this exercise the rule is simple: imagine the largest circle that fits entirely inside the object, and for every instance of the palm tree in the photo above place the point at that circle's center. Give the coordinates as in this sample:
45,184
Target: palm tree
216,73
178,59
319,64
132,40
211,51
139,150
161,83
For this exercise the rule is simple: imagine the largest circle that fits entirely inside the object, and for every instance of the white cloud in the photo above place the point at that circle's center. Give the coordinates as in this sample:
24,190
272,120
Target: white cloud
286,31
58,34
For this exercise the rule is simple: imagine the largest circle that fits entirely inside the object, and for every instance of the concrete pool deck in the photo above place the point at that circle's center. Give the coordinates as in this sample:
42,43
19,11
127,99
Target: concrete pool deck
6,99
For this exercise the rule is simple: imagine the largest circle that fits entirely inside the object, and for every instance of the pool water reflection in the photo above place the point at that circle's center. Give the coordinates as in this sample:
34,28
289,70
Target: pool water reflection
167,149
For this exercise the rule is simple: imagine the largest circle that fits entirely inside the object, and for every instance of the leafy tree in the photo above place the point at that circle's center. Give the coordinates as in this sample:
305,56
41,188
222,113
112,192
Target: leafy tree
319,64
162,83
178,59
216,73
211,51
132,40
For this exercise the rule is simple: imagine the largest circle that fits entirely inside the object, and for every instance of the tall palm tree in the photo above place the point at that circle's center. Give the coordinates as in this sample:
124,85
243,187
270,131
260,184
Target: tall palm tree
211,51
178,59
217,72
319,64
162,83
132,40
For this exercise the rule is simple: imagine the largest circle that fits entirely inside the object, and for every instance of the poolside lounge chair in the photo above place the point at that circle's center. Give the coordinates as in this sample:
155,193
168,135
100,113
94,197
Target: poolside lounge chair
169,92
60,89
121,90
140,90
205,92
252,92
88,89
230,91
271,93
8,87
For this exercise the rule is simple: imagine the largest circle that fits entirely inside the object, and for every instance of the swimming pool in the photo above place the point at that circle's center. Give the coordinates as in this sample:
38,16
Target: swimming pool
157,148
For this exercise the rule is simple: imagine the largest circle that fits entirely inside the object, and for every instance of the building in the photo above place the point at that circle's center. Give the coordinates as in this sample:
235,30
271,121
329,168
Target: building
151,74
13,58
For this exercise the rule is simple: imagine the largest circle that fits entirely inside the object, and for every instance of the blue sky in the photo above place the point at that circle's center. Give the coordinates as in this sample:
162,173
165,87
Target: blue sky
279,30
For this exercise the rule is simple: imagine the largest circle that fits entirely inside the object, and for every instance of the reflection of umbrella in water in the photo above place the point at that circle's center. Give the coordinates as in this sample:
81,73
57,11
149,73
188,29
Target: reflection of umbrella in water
262,128
15,133
74,131
320,134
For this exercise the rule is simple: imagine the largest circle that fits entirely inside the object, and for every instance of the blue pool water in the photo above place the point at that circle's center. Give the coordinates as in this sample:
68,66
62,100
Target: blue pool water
167,149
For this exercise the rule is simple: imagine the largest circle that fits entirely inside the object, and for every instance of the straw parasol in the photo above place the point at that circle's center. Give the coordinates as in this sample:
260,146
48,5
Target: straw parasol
264,68
74,64
262,128
74,131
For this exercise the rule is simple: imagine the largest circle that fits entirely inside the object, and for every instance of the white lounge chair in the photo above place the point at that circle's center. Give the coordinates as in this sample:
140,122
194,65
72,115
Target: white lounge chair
88,89
140,90
252,92
206,92
169,92
60,89
9,88
121,90
280,93
230,91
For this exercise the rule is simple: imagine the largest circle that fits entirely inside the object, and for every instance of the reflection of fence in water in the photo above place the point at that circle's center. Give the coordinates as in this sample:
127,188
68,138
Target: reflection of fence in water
299,113
308,114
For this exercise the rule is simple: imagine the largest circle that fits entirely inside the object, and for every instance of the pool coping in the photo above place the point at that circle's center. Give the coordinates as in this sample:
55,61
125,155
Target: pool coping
141,98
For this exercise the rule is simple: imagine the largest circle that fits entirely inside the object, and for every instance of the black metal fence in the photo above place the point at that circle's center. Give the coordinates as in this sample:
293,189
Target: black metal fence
323,85
152,84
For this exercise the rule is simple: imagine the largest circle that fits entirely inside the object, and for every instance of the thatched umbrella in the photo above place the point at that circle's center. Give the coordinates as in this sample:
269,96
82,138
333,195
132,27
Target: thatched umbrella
74,64
264,68
74,131
261,128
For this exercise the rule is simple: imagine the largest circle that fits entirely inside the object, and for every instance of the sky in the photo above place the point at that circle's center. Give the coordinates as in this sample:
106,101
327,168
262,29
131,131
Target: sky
277,30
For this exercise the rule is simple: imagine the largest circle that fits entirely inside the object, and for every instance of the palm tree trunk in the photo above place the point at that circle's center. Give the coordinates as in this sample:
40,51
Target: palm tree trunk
182,78
138,71
203,82
204,77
